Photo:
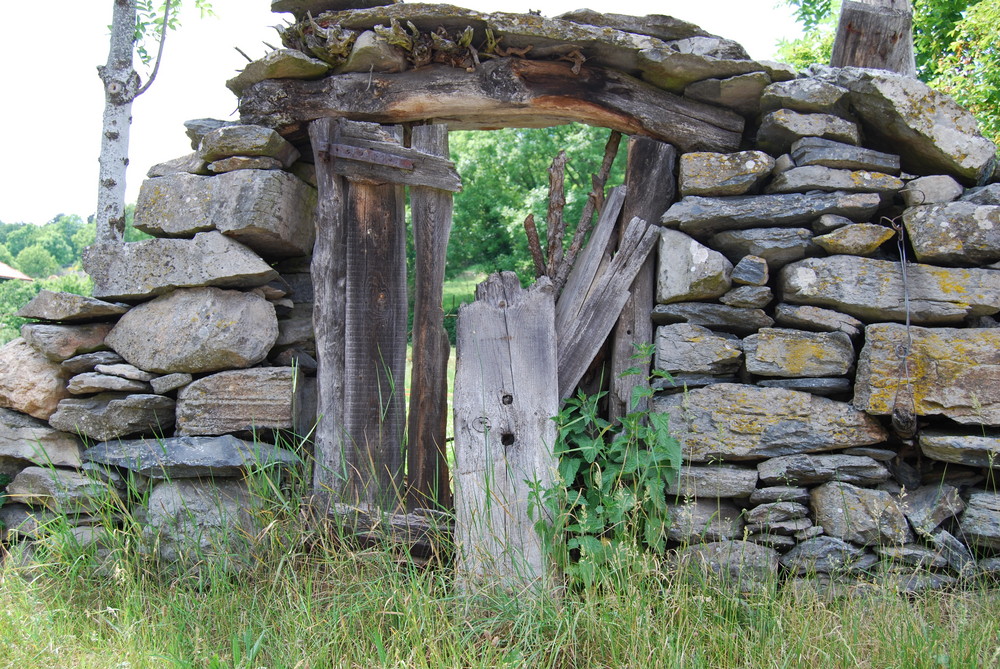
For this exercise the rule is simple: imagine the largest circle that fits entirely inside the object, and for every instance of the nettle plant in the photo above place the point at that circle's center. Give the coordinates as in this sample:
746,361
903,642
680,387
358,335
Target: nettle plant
610,503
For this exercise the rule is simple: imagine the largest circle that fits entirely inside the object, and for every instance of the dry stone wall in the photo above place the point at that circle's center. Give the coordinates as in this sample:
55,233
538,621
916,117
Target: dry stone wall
826,300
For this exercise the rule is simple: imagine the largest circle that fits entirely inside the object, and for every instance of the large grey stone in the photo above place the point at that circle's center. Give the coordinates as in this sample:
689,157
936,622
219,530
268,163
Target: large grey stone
817,177
269,211
190,164
751,271
930,505
739,564
931,132
714,316
703,520
236,401
740,422
373,53
689,270
740,93
197,523
61,342
685,61
817,319
30,382
27,438
246,140
777,246
796,353
860,515
782,128
94,382
139,270
716,482
277,64
68,308
807,96
872,290
164,384
826,555
748,297
709,215
803,469
693,349
828,153
654,25
973,450
774,512
856,239
955,233
935,189
989,194
197,330
61,490
190,457
980,522
952,372
715,174
197,128
112,415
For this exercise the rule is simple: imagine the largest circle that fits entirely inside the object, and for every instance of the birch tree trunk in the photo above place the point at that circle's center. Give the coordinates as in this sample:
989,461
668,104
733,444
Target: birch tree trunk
121,84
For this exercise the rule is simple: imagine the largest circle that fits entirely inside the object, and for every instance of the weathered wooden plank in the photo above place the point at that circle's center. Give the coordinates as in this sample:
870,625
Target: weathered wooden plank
505,396
329,278
375,342
505,92
581,338
428,170
875,33
425,533
586,268
649,174
427,465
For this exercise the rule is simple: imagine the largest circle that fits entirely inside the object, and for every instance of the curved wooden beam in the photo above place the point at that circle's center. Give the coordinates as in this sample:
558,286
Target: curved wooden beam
506,92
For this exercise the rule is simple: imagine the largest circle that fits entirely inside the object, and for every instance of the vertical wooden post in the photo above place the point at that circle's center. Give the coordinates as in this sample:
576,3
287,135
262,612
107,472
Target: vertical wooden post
506,394
649,175
875,33
329,278
427,464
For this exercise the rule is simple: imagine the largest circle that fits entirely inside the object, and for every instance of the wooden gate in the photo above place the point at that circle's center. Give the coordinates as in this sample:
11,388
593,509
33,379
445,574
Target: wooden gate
360,314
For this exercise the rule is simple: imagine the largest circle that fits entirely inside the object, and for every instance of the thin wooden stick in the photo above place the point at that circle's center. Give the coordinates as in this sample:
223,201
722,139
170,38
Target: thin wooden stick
556,227
595,202
534,245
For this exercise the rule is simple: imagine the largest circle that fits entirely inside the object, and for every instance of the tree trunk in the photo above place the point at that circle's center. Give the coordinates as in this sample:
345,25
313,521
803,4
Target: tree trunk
876,34
121,83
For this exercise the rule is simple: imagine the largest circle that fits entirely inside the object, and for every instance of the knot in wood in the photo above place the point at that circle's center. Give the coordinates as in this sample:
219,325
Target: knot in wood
481,424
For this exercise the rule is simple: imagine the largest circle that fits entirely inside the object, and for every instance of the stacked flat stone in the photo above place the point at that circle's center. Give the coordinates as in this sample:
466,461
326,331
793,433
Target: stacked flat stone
179,387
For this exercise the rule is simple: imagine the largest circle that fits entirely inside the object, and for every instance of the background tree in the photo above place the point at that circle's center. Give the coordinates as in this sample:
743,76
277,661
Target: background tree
36,262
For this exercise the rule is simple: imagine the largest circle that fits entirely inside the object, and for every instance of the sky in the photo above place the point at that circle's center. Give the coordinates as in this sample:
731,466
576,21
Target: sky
53,99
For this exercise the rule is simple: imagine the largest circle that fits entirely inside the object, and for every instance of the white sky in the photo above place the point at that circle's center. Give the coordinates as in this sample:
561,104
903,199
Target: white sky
50,116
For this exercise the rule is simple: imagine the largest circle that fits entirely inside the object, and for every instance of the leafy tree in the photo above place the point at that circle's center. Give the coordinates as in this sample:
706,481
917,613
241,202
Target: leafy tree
5,256
36,261
955,44
22,237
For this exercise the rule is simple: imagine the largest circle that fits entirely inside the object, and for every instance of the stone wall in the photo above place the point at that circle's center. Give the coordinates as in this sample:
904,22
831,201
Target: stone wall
837,408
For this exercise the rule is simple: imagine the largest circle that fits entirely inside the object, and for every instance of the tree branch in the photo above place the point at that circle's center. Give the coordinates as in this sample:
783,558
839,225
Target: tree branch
159,52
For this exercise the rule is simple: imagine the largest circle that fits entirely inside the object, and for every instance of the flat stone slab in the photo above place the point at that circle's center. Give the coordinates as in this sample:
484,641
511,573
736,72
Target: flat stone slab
973,450
777,246
246,140
774,512
805,469
61,490
140,270
94,382
748,297
709,215
806,96
989,194
740,93
824,387
718,174
817,319
713,482
168,382
278,64
954,233
826,555
953,372
704,520
61,342
797,353
197,330
872,290
692,349
860,515
236,401
782,128
190,457
828,153
931,132
88,362
30,382
739,422
856,239
689,270
817,177
269,211
112,415
26,438
980,522
69,308
780,494
714,316
125,371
